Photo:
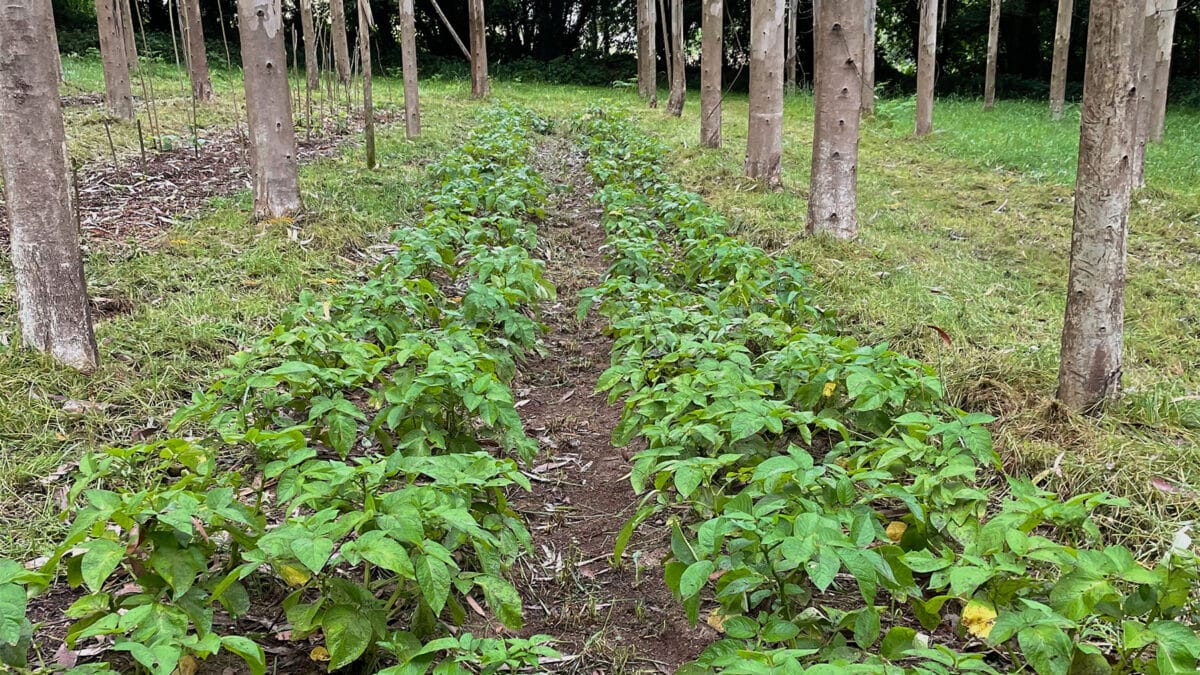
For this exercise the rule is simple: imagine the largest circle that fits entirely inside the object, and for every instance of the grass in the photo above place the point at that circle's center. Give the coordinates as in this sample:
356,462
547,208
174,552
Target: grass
967,230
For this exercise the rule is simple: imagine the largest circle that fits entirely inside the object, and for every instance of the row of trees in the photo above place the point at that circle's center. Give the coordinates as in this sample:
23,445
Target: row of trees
1123,108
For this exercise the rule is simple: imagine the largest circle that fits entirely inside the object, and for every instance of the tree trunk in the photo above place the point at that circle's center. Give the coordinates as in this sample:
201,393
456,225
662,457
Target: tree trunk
52,304
268,109
479,64
993,45
764,134
837,104
711,52
645,55
670,64
1162,68
1090,368
337,30
408,63
131,54
652,53
193,37
868,62
1058,67
926,65
117,92
364,55
678,71
790,45
1146,49
312,71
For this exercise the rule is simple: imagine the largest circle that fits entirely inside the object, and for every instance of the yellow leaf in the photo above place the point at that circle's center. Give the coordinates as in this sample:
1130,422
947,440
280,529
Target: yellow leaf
329,280
293,575
319,653
895,530
188,665
829,387
717,620
325,307
978,618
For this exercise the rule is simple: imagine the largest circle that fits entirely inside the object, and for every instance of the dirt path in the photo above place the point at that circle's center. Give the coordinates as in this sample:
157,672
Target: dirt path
610,620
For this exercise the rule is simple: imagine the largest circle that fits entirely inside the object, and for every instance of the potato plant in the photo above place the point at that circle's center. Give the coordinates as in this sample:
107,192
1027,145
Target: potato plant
827,505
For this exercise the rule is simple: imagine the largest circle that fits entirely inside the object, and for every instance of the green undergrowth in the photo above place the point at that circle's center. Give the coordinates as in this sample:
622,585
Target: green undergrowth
352,464
969,232
828,505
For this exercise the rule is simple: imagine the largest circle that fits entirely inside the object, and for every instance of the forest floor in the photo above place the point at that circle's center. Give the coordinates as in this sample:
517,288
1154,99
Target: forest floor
965,233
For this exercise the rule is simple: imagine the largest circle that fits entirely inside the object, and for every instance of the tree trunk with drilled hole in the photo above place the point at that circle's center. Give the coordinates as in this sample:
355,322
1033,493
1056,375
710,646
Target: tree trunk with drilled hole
837,104
118,94
1058,65
926,65
479,62
197,56
711,56
408,63
53,312
764,134
993,47
341,46
868,61
1090,368
1147,49
312,70
678,75
1162,67
268,109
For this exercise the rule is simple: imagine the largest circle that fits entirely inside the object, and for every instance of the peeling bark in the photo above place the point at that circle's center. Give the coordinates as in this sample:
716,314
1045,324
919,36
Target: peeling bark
1093,327
268,109
711,53
764,134
52,304
837,102
926,65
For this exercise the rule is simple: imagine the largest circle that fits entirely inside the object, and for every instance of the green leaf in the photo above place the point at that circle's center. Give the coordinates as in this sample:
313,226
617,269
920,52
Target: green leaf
694,578
741,627
99,561
1178,647
249,650
13,605
343,431
379,549
434,578
896,642
778,630
744,425
687,479
964,580
503,598
1076,594
348,633
1047,649
866,627
160,659
312,552
823,570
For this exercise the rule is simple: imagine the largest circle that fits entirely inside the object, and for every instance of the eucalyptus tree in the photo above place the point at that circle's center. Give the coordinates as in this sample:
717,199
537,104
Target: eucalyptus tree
678,73
764,134
712,49
926,65
1058,66
118,93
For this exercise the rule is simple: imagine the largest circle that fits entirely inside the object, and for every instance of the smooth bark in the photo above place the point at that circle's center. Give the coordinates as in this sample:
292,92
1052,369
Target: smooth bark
868,60
837,104
193,39
790,60
312,70
365,22
408,64
647,72
1146,48
131,53
53,311
1058,65
1167,11
711,57
268,109
1090,367
479,63
764,134
993,46
341,48
118,93
678,73
666,37
926,65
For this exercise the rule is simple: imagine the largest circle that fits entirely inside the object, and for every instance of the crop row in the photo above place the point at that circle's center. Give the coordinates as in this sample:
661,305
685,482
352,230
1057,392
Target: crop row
826,503
353,465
